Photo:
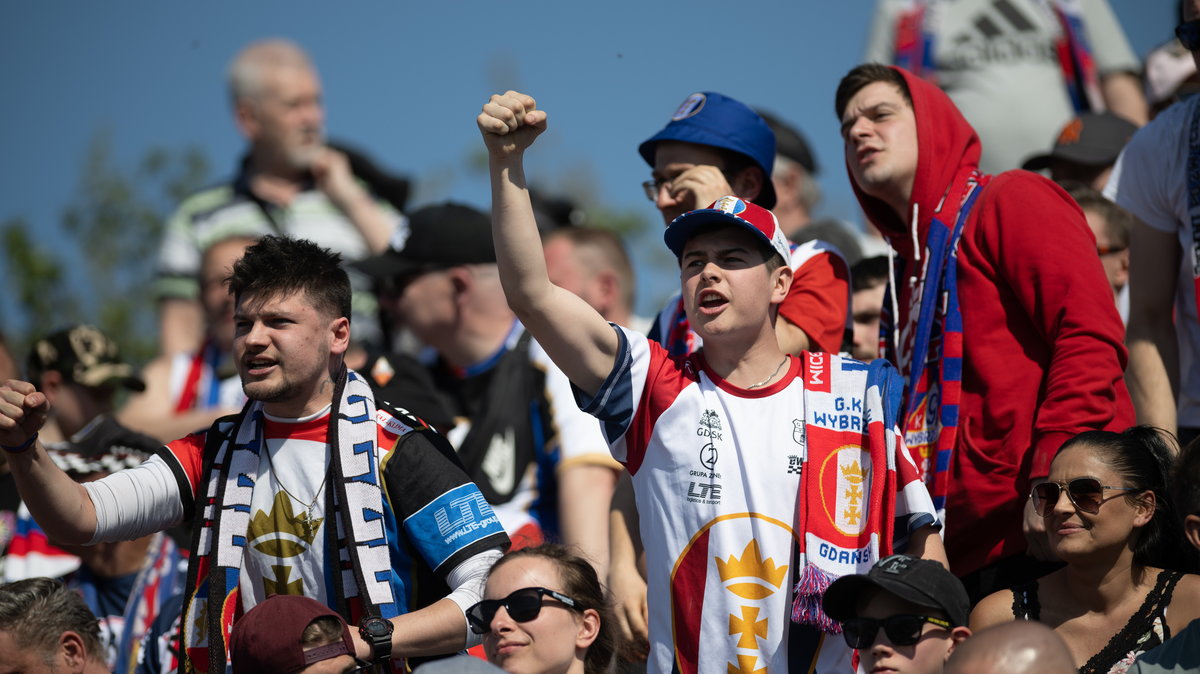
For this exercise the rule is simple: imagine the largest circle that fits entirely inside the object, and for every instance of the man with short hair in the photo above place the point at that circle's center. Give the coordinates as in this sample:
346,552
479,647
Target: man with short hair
905,615
541,463
1007,336
188,390
725,469
713,146
593,263
1111,225
1086,149
1155,180
290,182
46,629
1014,647
287,633
315,488
869,280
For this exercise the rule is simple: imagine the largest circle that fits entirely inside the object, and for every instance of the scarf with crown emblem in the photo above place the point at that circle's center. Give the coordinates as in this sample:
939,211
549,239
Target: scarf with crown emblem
231,464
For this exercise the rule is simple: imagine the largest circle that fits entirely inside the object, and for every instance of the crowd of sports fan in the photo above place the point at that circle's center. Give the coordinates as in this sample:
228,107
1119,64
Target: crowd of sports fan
388,439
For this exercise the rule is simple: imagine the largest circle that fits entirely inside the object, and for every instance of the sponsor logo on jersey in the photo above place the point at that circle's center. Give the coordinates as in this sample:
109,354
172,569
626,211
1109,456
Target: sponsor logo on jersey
706,490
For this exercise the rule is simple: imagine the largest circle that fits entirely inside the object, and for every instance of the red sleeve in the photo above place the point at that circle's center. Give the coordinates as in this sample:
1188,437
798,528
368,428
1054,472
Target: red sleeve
819,299
188,453
1042,247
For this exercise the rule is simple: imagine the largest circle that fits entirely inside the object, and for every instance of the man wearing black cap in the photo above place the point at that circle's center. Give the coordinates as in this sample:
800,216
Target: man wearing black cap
905,615
1086,149
124,583
713,146
514,426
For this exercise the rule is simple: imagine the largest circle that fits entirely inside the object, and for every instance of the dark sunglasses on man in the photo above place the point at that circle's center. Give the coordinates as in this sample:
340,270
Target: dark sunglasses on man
1189,35
901,630
522,605
1085,493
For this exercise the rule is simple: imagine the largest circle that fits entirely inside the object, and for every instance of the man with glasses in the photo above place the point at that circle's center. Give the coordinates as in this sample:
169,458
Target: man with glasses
1156,178
515,427
906,615
713,146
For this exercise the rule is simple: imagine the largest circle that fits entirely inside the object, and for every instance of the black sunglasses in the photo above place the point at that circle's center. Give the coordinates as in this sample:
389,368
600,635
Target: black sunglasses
1085,493
522,605
901,630
1189,35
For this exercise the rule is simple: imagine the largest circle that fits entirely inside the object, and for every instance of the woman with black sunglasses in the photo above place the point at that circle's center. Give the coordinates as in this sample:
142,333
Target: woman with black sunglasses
545,613
1110,518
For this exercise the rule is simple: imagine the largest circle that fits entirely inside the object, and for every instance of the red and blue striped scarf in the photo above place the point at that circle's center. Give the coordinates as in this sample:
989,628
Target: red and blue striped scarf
928,347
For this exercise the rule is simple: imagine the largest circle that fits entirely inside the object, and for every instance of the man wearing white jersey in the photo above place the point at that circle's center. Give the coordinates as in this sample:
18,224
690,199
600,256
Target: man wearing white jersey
721,443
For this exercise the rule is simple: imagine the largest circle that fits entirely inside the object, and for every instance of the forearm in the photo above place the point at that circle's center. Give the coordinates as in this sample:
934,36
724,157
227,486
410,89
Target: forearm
518,244
1122,93
368,218
585,497
1153,375
442,626
59,505
927,544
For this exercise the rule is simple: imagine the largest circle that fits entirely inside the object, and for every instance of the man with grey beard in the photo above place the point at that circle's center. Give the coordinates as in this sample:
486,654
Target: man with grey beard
290,182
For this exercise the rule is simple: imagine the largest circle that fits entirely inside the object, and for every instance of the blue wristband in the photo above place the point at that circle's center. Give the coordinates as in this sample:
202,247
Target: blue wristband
21,447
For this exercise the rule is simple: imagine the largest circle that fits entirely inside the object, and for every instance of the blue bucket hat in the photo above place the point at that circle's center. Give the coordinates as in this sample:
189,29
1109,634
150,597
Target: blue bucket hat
709,118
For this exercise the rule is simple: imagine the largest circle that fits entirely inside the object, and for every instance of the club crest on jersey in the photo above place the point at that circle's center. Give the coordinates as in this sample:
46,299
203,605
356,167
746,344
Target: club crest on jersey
690,106
845,481
798,431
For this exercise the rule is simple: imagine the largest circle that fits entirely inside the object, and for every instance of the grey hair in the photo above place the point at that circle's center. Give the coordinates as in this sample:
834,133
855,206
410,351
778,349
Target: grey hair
245,76
810,191
37,611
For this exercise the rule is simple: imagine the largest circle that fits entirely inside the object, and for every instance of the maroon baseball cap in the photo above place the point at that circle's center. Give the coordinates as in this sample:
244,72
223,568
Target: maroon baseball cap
267,638
729,210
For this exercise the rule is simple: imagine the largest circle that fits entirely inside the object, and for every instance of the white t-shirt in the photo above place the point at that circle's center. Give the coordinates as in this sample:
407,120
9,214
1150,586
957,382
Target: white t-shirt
716,474
1150,181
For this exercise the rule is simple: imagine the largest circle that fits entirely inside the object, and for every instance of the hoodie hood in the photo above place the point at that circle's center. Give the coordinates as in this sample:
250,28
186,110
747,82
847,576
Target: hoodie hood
947,152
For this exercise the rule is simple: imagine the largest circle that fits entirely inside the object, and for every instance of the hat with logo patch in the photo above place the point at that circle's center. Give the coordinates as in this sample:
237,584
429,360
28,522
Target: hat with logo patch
709,118
84,355
729,210
267,638
922,582
1091,139
436,237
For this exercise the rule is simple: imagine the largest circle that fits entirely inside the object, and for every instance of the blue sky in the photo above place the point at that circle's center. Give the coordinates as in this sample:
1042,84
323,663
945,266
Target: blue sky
404,80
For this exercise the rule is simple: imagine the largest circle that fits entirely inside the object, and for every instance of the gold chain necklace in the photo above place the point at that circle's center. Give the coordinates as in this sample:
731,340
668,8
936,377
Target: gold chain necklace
772,376
309,508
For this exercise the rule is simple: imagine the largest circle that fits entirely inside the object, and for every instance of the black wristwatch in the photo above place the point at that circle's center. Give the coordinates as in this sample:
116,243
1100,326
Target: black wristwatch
377,632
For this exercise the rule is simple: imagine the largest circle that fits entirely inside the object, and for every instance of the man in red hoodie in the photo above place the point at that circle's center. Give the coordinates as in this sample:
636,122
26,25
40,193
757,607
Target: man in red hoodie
1003,327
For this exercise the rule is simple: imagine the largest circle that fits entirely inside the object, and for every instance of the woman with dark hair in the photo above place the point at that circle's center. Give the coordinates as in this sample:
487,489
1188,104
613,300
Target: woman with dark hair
1110,518
544,613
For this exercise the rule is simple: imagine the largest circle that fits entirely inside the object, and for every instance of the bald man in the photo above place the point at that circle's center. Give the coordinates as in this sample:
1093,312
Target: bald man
1017,647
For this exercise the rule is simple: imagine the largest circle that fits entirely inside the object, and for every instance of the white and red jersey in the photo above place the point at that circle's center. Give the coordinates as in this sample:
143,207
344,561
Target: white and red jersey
716,472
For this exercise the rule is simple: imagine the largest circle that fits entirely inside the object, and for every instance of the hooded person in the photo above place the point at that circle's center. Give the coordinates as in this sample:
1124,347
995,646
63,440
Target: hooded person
1005,332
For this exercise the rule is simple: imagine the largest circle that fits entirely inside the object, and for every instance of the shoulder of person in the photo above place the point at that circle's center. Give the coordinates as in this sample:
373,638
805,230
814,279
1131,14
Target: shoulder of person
993,609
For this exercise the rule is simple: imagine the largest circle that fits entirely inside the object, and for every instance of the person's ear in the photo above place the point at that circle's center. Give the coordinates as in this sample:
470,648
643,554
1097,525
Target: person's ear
589,628
749,183
72,652
1191,529
340,329
957,636
245,115
781,283
462,280
1146,506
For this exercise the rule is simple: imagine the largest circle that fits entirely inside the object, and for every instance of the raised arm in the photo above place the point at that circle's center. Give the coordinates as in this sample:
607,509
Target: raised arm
60,506
575,336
